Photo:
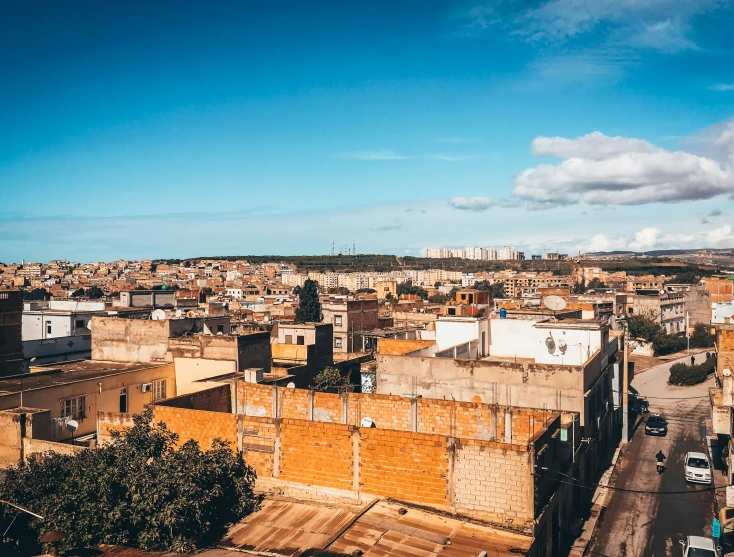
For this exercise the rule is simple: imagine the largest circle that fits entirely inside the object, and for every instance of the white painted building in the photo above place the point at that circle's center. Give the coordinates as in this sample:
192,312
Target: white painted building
60,318
453,331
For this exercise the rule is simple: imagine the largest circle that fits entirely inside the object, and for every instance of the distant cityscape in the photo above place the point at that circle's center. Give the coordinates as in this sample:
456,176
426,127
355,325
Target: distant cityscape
506,253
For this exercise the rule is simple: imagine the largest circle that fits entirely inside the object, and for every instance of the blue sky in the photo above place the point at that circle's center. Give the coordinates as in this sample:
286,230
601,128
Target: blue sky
156,129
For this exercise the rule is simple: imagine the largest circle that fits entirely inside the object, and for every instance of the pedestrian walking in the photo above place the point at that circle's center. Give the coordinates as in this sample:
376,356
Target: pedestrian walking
693,360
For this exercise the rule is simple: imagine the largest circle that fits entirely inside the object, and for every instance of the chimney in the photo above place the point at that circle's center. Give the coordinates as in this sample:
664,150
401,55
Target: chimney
728,387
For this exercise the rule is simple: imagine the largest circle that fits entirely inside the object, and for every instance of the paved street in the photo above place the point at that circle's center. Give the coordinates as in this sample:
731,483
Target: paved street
645,525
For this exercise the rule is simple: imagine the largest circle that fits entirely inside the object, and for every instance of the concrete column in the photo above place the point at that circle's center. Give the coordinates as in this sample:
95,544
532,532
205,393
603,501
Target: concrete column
310,405
275,402
414,415
345,407
276,450
493,423
240,428
450,479
355,459
508,426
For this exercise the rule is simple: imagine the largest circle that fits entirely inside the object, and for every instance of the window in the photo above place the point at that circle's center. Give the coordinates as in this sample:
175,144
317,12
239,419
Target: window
220,329
48,327
338,320
73,408
337,342
80,323
159,389
123,400
300,339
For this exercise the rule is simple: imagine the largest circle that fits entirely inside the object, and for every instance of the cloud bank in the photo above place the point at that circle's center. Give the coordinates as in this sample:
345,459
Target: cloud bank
470,203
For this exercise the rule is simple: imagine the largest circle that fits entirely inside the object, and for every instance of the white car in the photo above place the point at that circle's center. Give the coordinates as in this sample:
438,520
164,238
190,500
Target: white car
698,469
697,546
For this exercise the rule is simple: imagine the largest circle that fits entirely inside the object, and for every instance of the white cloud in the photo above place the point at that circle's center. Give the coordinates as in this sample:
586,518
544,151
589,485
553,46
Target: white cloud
645,239
722,87
595,146
381,155
602,242
722,235
470,203
726,139
602,170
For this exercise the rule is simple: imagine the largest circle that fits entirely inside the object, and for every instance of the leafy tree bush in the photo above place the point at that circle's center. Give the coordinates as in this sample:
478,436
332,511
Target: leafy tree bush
366,291
408,288
78,293
702,337
496,290
645,327
331,380
668,344
438,298
309,307
682,374
138,491
595,284
36,294
95,293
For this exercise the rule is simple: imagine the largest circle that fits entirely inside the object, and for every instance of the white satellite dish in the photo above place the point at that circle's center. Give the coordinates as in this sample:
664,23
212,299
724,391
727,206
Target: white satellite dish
72,426
178,313
89,324
367,422
554,303
158,315
291,385
190,314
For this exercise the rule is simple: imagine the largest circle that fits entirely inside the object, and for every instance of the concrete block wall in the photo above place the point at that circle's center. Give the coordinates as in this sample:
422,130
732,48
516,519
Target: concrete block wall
494,483
293,403
404,465
327,408
107,422
254,399
10,438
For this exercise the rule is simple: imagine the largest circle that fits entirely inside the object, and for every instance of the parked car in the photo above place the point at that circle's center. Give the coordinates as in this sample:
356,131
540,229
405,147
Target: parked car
698,469
656,425
697,546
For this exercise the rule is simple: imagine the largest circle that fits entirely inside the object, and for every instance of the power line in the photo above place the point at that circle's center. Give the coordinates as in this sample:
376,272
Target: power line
637,491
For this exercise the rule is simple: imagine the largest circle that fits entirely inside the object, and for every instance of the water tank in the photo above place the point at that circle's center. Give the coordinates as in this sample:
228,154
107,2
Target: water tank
503,313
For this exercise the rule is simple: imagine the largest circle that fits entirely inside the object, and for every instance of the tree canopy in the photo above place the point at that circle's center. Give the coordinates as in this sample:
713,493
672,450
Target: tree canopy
331,380
78,293
139,491
496,290
309,307
36,294
408,288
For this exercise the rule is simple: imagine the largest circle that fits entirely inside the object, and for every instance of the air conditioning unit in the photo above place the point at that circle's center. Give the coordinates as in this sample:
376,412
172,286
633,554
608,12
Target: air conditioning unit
146,387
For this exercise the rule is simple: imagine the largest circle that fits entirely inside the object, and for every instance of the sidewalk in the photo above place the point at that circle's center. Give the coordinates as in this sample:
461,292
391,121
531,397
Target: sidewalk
720,482
643,363
600,500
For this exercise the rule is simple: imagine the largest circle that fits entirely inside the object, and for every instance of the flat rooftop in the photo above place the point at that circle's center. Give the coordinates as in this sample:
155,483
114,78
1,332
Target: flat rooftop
53,375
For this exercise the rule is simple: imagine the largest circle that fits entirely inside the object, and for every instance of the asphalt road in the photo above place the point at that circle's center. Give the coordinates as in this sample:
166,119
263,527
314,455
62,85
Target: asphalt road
651,525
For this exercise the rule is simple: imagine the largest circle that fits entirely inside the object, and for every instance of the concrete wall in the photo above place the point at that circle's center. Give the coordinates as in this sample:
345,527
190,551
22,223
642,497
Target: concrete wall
190,372
129,340
510,337
398,346
24,432
11,347
452,332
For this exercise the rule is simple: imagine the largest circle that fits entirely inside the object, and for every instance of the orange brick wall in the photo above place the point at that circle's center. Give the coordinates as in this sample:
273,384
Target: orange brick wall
327,408
404,465
388,412
255,399
293,403
199,425
316,453
399,346
258,443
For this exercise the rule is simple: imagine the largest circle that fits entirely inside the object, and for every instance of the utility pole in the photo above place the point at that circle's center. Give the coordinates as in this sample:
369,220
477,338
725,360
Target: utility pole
688,336
625,391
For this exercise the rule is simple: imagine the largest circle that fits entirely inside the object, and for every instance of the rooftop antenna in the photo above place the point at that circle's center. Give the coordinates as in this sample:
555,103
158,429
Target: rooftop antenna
354,248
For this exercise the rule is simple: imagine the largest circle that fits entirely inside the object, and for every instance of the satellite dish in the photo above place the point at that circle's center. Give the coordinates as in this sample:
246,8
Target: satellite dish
178,313
89,324
72,426
190,314
367,422
291,385
554,303
550,344
562,345
158,315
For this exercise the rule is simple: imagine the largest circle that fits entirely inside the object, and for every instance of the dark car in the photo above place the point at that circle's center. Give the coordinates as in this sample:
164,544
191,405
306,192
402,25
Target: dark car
656,425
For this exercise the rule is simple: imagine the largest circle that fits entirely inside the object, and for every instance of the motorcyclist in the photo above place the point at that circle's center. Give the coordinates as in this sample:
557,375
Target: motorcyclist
660,459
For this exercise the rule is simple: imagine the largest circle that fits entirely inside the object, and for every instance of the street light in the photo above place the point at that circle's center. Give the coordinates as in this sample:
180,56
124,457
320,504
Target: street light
625,385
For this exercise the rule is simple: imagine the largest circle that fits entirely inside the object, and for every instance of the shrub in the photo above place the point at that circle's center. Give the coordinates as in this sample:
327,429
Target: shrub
682,374
668,344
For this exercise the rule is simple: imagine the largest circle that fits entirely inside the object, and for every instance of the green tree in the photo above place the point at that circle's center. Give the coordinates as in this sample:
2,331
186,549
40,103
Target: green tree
331,380
36,294
138,491
366,291
78,293
702,337
438,298
595,284
95,293
309,307
407,288
644,326
496,290
579,288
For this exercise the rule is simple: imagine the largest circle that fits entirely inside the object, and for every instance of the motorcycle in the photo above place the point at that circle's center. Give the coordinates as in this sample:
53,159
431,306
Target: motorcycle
660,467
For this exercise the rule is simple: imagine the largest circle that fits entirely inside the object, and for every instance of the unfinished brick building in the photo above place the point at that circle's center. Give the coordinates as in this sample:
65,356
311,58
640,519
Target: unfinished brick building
490,463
